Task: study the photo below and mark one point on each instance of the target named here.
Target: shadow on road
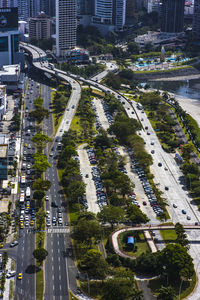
(31, 269)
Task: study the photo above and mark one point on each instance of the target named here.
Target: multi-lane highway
(168, 174)
(25, 288)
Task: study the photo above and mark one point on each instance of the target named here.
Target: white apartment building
(66, 24)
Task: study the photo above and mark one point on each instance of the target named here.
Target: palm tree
(137, 295)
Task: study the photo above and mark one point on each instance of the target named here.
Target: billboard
(8, 18)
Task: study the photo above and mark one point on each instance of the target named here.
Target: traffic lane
(162, 177)
(25, 265)
(63, 276)
(49, 268)
(58, 268)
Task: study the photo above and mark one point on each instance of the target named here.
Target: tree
(85, 230)
(111, 214)
(68, 152)
(40, 140)
(40, 219)
(123, 127)
(177, 261)
(41, 184)
(181, 236)
(40, 254)
(75, 190)
(38, 195)
(38, 102)
(187, 149)
(39, 114)
(118, 289)
(136, 215)
(41, 162)
(94, 264)
(133, 48)
(166, 293)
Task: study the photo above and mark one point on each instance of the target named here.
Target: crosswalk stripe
(58, 230)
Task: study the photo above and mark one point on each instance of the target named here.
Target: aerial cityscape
(99, 149)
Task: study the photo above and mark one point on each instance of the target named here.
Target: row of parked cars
(146, 185)
(101, 196)
(97, 123)
(107, 113)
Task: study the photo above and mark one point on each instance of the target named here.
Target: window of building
(3, 44)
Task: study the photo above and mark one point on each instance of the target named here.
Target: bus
(21, 199)
(23, 180)
(28, 193)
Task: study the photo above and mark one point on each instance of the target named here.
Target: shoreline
(190, 105)
(177, 78)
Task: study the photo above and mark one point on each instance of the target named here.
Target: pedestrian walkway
(150, 241)
(58, 230)
(116, 246)
(7, 283)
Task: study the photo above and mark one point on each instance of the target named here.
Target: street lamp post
(88, 284)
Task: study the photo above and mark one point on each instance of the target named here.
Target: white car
(47, 198)
(60, 221)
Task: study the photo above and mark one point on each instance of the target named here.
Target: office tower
(104, 11)
(23, 10)
(40, 27)
(9, 37)
(66, 25)
(196, 20)
(119, 14)
(172, 16)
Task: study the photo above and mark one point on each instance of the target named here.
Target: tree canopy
(111, 214)
(94, 264)
(40, 254)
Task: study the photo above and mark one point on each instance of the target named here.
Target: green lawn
(56, 122)
(141, 243)
(39, 284)
(169, 236)
(187, 287)
(75, 125)
(11, 290)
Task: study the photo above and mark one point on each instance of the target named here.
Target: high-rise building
(196, 20)
(103, 11)
(172, 16)
(66, 24)
(8, 3)
(23, 10)
(40, 27)
(119, 14)
(9, 37)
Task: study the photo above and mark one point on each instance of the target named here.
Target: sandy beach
(191, 106)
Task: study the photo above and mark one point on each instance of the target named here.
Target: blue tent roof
(130, 240)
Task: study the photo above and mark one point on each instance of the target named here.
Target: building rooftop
(10, 70)
(3, 151)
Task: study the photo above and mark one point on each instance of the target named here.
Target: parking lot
(86, 171)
